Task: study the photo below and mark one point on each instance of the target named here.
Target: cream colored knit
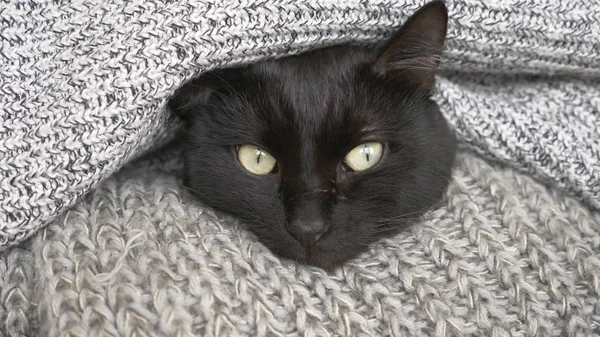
(138, 257)
(83, 83)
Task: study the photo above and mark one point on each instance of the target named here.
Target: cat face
(323, 153)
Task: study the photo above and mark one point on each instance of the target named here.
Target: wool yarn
(83, 84)
(117, 248)
(138, 256)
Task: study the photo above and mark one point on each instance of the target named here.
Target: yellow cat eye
(256, 160)
(364, 156)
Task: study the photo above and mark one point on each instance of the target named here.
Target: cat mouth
(315, 254)
(320, 255)
(318, 258)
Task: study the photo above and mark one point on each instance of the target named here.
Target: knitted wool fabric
(139, 256)
(83, 83)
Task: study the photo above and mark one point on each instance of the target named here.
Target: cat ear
(414, 52)
(194, 94)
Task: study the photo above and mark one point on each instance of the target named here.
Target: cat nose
(307, 232)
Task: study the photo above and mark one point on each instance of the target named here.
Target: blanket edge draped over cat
(84, 85)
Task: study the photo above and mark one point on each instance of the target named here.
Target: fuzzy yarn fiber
(138, 256)
(117, 249)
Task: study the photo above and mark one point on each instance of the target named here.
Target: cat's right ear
(194, 94)
(413, 54)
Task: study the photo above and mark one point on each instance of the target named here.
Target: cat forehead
(308, 96)
(308, 84)
(317, 71)
(320, 63)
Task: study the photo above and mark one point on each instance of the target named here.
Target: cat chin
(323, 255)
(325, 263)
(317, 257)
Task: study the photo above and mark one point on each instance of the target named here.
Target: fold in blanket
(83, 84)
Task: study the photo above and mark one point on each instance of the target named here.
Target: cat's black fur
(308, 111)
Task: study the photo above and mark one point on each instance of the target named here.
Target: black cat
(323, 153)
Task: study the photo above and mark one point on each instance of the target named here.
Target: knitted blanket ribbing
(139, 256)
(82, 92)
(83, 83)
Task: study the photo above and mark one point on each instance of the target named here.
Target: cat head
(322, 153)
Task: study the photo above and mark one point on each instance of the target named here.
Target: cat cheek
(344, 186)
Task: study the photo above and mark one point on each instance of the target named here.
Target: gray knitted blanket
(139, 257)
(83, 86)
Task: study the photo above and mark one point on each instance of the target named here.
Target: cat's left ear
(414, 52)
(194, 94)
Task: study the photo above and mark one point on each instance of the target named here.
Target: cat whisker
(377, 235)
(396, 222)
(400, 216)
(384, 230)
(397, 219)
(192, 190)
(393, 225)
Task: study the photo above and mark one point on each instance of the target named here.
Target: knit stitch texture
(513, 251)
(83, 83)
(138, 256)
